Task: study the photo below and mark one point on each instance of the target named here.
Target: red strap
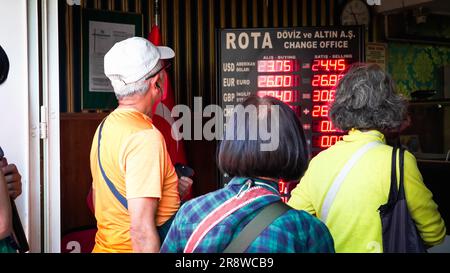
(221, 212)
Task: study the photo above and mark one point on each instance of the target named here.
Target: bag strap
(217, 215)
(254, 228)
(111, 186)
(332, 192)
(401, 190)
(394, 194)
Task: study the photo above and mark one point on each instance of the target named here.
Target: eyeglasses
(166, 65)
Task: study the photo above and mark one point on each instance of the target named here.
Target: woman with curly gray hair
(367, 106)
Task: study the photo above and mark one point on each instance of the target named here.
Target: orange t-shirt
(134, 157)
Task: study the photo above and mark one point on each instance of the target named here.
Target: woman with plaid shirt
(255, 171)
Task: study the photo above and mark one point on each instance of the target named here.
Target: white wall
(14, 113)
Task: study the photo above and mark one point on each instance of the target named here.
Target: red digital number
(286, 96)
(282, 187)
(329, 65)
(320, 111)
(325, 141)
(282, 95)
(323, 95)
(323, 126)
(326, 126)
(276, 81)
(276, 66)
(315, 65)
(326, 80)
(341, 65)
(328, 141)
(262, 66)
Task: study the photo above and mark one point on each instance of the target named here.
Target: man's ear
(153, 84)
(154, 80)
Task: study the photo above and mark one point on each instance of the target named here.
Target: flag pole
(157, 13)
(162, 118)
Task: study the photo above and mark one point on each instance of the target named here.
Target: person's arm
(301, 196)
(144, 236)
(174, 243)
(143, 160)
(12, 177)
(5, 209)
(420, 202)
(184, 186)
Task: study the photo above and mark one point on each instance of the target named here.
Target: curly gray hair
(365, 99)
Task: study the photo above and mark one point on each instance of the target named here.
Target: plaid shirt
(294, 231)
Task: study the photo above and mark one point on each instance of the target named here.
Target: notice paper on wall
(102, 37)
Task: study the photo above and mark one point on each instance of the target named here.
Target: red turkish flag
(162, 118)
(155, 36)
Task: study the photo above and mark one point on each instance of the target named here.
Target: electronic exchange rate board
(299, 66)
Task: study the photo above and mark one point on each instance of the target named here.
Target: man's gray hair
(122, 89)
(125, 90)
(365, 98)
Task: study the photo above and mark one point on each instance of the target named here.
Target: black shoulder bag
(400, 234)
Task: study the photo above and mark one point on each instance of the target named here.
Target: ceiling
(429, 6)
(439, 7)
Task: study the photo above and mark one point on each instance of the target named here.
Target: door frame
(51, 205)
(34, 208)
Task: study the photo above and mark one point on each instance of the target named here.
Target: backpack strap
(111, 186)
(257, 225)
(332, 192)
(217, 215)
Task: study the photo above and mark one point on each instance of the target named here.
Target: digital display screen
(300, 66)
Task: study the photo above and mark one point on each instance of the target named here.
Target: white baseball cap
(130, 60)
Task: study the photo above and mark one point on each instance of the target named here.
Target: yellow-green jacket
(353, 218)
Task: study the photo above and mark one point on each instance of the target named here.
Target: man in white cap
(135, 186)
